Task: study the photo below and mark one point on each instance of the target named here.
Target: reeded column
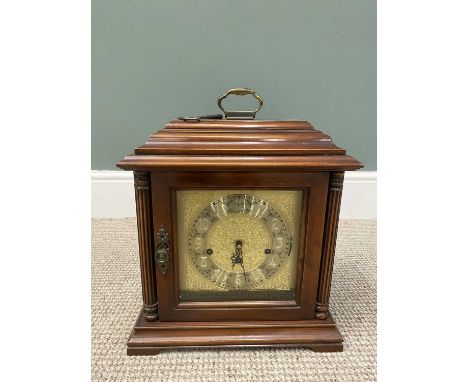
(335, 188)
(145, 240)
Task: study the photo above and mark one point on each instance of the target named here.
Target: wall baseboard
(112, 195)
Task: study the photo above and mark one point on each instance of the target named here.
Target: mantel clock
(237, 222)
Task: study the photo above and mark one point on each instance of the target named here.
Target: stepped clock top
(217, 141)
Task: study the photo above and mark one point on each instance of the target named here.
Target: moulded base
(149, 338)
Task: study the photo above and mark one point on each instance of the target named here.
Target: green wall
(153, 61)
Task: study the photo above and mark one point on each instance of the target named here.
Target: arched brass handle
(240, 114)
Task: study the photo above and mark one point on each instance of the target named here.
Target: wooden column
(145, 240)
(335, 187)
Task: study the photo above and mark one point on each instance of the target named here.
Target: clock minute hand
(237, 257)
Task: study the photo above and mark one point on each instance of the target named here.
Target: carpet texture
(116, 301)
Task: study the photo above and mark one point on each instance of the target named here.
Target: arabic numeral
(275, 225)
(258, 275)
(203, 262)
(202, 225)
(278, 242)
(198, 244)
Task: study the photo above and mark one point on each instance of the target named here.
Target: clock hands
(237, 257)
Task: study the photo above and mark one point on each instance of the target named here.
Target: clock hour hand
(237, 257)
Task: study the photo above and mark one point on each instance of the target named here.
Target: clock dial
(237, 244)
(238, 241)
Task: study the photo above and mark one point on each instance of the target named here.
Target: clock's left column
(144, 212)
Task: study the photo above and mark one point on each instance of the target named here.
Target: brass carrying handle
(240, 114)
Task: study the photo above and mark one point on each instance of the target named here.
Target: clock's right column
(335, 188)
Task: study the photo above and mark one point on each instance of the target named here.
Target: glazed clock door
(237, 245)
(243, 250)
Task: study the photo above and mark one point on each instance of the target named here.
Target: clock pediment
(228, 143)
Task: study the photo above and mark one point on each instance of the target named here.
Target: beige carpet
(116, 299)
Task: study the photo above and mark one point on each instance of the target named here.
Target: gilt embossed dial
(239, 241)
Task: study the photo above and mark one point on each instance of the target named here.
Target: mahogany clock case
(235, 154)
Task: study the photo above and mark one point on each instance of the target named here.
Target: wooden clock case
(225, 153)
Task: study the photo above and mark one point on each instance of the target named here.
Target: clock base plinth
(149, 338)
